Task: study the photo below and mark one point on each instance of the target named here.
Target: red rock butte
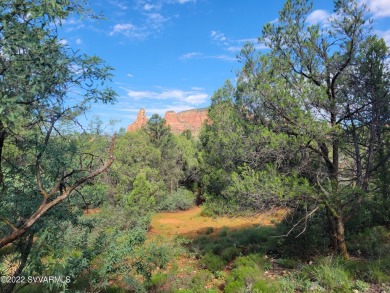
(178, 122)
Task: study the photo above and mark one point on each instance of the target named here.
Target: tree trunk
(337, 233)
(25, 252)
(341, 244)
(332, 231)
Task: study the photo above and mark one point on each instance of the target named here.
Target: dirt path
(191, 223)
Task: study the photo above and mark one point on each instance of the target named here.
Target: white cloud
(79, 41)
(191, 97)
(130, 75)
(222, 57)
(72, 24)
(157, 5)
(241, 42)
(250, 40)
(148, 7)
(151, 24)
(234, 48)
(119, 4)
(184, 1)
(261, 46)
(379, 8)
(123, 28)
(199, 55)
(219, 37)
(318, 17)
(155, 20)
(63, 42)
(190, 55)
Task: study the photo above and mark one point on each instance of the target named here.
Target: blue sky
(173, 54)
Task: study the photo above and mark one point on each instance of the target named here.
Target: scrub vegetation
(286, 188)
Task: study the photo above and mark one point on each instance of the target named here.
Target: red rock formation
(190, 119)
(139, 122)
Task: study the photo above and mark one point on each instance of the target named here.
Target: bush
(179, 200)
(287, 263)
(215, 206)
(313, 242)
(371, 242)
(235, 287)
(246, 276)
(213, 262)
(223, 232)
(230, 253)
(294, 282)
(202, 277)
(264, 286)
(209, 230)
(158, 280)
(252, 260)
(331, 274)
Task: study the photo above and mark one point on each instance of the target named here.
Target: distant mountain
(191, 119)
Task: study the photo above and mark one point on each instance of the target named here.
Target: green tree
(301, 88)
(147, 190)
(133, 151)
(43, 85)
(171, 164)
(190, 162)
(313, 111)
(157, 130)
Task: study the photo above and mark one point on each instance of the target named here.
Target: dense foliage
(304, 130)
(153, 168)
(306, 126)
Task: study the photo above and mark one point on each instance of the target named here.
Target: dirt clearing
(191, 223)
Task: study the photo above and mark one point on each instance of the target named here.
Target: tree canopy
(44, 86)
(313, 111)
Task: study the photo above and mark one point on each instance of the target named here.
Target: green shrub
(158, 280)
(230, 253)
(252, 260)
(221, 275)
(372, 242)
(311, 243)
(265, 286)
(294, 282)
(373, 271)
(246, 274)
(179, 200)
(202, 277)
(361, 286)
(215, 206)
(376, 273)
(287, 263)
(213, 262)
(331, 274)
(223, 232)
(209, 230)
(241, 278)
(235, 287)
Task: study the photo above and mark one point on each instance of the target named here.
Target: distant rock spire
(178, 122)
(139, 122)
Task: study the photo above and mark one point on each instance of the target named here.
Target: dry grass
(191, 223)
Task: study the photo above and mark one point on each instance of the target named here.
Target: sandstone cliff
(190, 119)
